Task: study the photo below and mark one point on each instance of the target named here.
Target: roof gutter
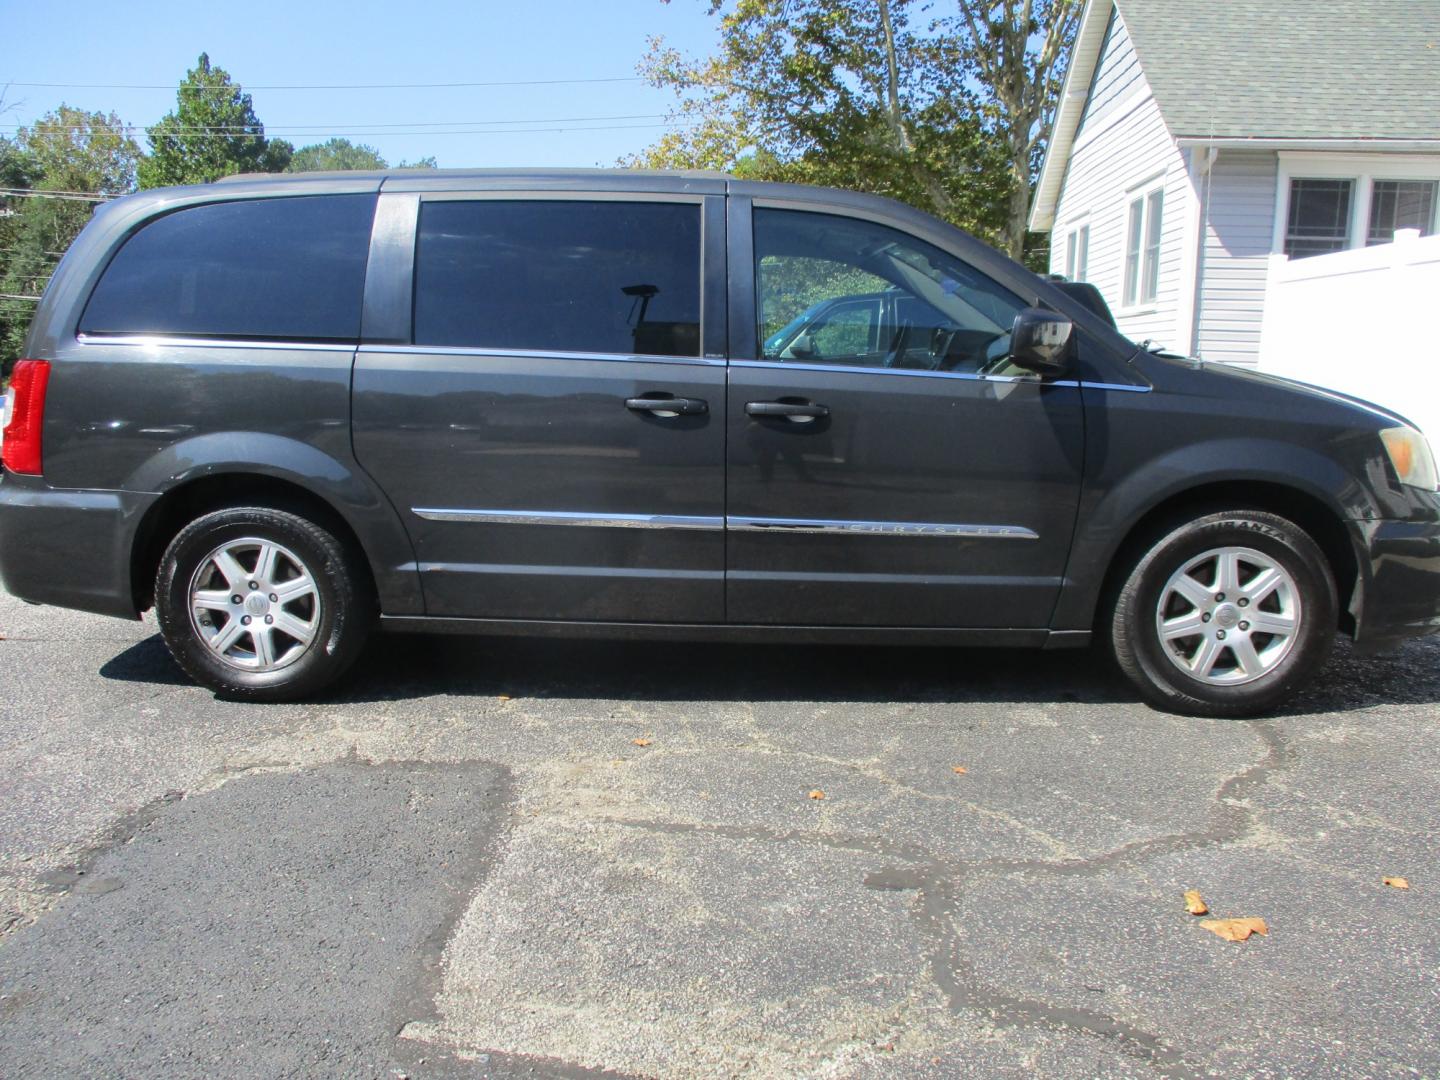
(1238, 142)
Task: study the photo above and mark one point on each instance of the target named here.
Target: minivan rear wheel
(261, 604)
(1225, 615)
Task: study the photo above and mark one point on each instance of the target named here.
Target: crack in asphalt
(938, 883)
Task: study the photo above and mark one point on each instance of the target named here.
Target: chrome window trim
(539, 354)
(561, 517)
(734, 523)
(782, 365)
(879, 528)
(172, 341)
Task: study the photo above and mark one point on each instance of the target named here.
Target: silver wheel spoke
(1205, 656)
(288, 624)
(1246, 656)
(211, 600)
(227, 636)
(1268, 622)
(264, 646)
(1263, 584)
(230, 569)
(1227, 573)
(1181, 626)
(296, 589)
(266, 563)
(1199, 595)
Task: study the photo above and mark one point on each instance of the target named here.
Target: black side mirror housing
(1040, 341)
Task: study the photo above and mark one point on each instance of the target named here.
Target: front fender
(343, 486)
(1111, 507)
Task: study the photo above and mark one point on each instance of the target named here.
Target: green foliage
(846, 93)
(68, 150)
(335, 154)
(422, 163)
(212, 132)
(946, 113)
(793, 284)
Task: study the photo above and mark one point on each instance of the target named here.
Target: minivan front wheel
(261, 604)
(1226, 614)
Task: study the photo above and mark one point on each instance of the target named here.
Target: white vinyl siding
(1239, 231)
(1121, 147)
(1117, 75)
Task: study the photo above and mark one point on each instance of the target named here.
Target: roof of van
(487, 174)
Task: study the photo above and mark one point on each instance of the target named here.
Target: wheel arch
(1319, 520)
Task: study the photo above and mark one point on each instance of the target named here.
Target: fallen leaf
(958, 769)
(1396, 882)
(1235, 929)
(817, 794)
(1194, 903)
(640, 742)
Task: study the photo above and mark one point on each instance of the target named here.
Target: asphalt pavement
(509, 858)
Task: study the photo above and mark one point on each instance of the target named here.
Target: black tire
(338, 622)
(1147, 660)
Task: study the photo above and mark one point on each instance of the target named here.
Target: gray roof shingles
(1318, 69)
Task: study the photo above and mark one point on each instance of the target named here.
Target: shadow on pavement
(397, 667)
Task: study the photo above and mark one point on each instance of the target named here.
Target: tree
(212, 132)
(335, 154)
(72, 155)
(1019, 50)
(948, 114)
(850, 93)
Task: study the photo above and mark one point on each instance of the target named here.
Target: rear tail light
(20, 452)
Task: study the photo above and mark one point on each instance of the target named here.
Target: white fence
(1360, 321)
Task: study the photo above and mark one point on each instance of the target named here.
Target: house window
(1400, 204)
(1077, 254)
(1319, 220)
(1142, 248)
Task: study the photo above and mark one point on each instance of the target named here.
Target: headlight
(1410, 454)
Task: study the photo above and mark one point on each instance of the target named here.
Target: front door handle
(668, 406)
(789, 410)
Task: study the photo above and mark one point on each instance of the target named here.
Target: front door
(552, 434)
(911, 479)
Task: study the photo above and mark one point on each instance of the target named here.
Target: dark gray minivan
(282, 409)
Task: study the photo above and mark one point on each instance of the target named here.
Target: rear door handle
(668, 406)
(790, 410)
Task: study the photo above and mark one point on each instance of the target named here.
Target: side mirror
(802, 346)
(1040, 342)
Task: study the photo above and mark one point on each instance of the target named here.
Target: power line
(230, 88)
(322, 128)
(564, 130)
(16, 296)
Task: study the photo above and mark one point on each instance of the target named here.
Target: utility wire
(64, 196)
(564, 130)
(301, 128)
(16, 296)
(231, 88)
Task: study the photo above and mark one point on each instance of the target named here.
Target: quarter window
(1319, 217)
(837, 290)
(1142, 248)
(1400, 204)
(559, 276)
(289, 269)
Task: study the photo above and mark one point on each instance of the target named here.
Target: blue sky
(265, 43)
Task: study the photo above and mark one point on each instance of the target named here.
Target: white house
(1206, 154)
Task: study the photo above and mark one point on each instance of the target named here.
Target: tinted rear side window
(559, 276)
(289, 269)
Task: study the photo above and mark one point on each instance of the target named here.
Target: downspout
(1207, 165)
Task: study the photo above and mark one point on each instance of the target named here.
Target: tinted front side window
(935, 312)
(289, 269)
(559, 276)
